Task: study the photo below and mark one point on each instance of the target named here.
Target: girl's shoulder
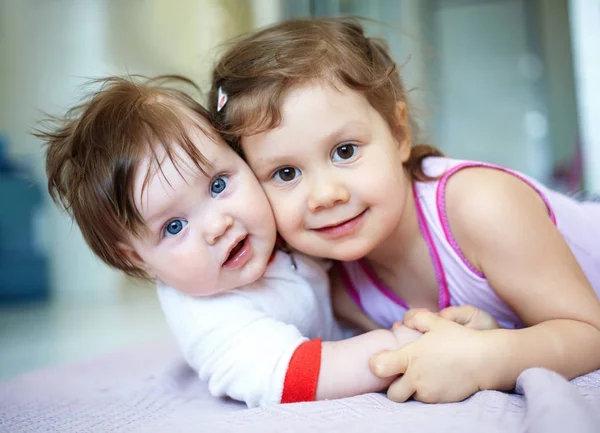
(473, 181)
(442, 168)
(481, 199)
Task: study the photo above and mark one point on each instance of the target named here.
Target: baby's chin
(251, 272)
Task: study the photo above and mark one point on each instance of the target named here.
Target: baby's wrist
(404, 334)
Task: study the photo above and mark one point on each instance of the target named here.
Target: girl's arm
(503, 228)
(345, 364)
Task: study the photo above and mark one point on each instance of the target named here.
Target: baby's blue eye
(286, 174)
(218, 185)
(174, 227)
(344, 152)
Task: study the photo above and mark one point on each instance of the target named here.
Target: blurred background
(513, 82)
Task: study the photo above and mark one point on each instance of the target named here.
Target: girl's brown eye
(344, 152)
(286, 174)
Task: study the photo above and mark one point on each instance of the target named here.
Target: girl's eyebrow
(269, 161)
(341, 132)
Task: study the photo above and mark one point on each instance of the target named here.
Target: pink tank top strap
(459, 281)
(440, 199)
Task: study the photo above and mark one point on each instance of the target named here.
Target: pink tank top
(459, 281)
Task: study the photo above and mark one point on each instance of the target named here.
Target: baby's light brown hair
(93, 153)
(258, 70)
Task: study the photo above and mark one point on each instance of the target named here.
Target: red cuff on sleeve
(303, 373)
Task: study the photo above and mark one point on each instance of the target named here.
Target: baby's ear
(134, 258)
(402, 130)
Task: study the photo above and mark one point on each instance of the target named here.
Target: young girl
(157, 194)
(319, 112)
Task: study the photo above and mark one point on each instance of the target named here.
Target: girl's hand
(442, 366)
(467, 315)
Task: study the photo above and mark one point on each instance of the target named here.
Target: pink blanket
(150, 389)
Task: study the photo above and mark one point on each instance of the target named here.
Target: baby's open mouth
(235, 251)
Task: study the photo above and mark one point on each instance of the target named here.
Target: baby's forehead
(169, 165)
(176, 161)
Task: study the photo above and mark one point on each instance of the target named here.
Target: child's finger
(404, 334)
(390, 362)
(469, 316)
(424, 321)
(401, 390)
(461, 315)
(411, 313)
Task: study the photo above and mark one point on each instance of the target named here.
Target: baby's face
(207, 234)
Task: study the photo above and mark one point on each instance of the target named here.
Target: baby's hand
(404, 334)
(470, 317)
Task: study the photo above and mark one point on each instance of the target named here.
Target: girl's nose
(326, 193)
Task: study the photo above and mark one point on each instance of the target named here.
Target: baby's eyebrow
(162, 209)
(159, 215)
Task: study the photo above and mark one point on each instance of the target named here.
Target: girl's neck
(397, 248)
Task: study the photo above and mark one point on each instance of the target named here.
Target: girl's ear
(134, 258)
(402, 131)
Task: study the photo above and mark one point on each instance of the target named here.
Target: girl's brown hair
(259, 69)
(94, 150)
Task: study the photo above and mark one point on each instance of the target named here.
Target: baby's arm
(249, 356)
(345, 368)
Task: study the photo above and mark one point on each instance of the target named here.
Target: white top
(242, 341)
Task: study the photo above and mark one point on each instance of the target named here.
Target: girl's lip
(344, 228)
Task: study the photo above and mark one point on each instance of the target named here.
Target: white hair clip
(221, 99)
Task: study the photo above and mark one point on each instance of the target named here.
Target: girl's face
(332, 172)
(207, 234)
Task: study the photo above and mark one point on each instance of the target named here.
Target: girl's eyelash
(274, 172)
(344, 143)
(337, 146)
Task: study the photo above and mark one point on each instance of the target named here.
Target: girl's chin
(340, 253)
